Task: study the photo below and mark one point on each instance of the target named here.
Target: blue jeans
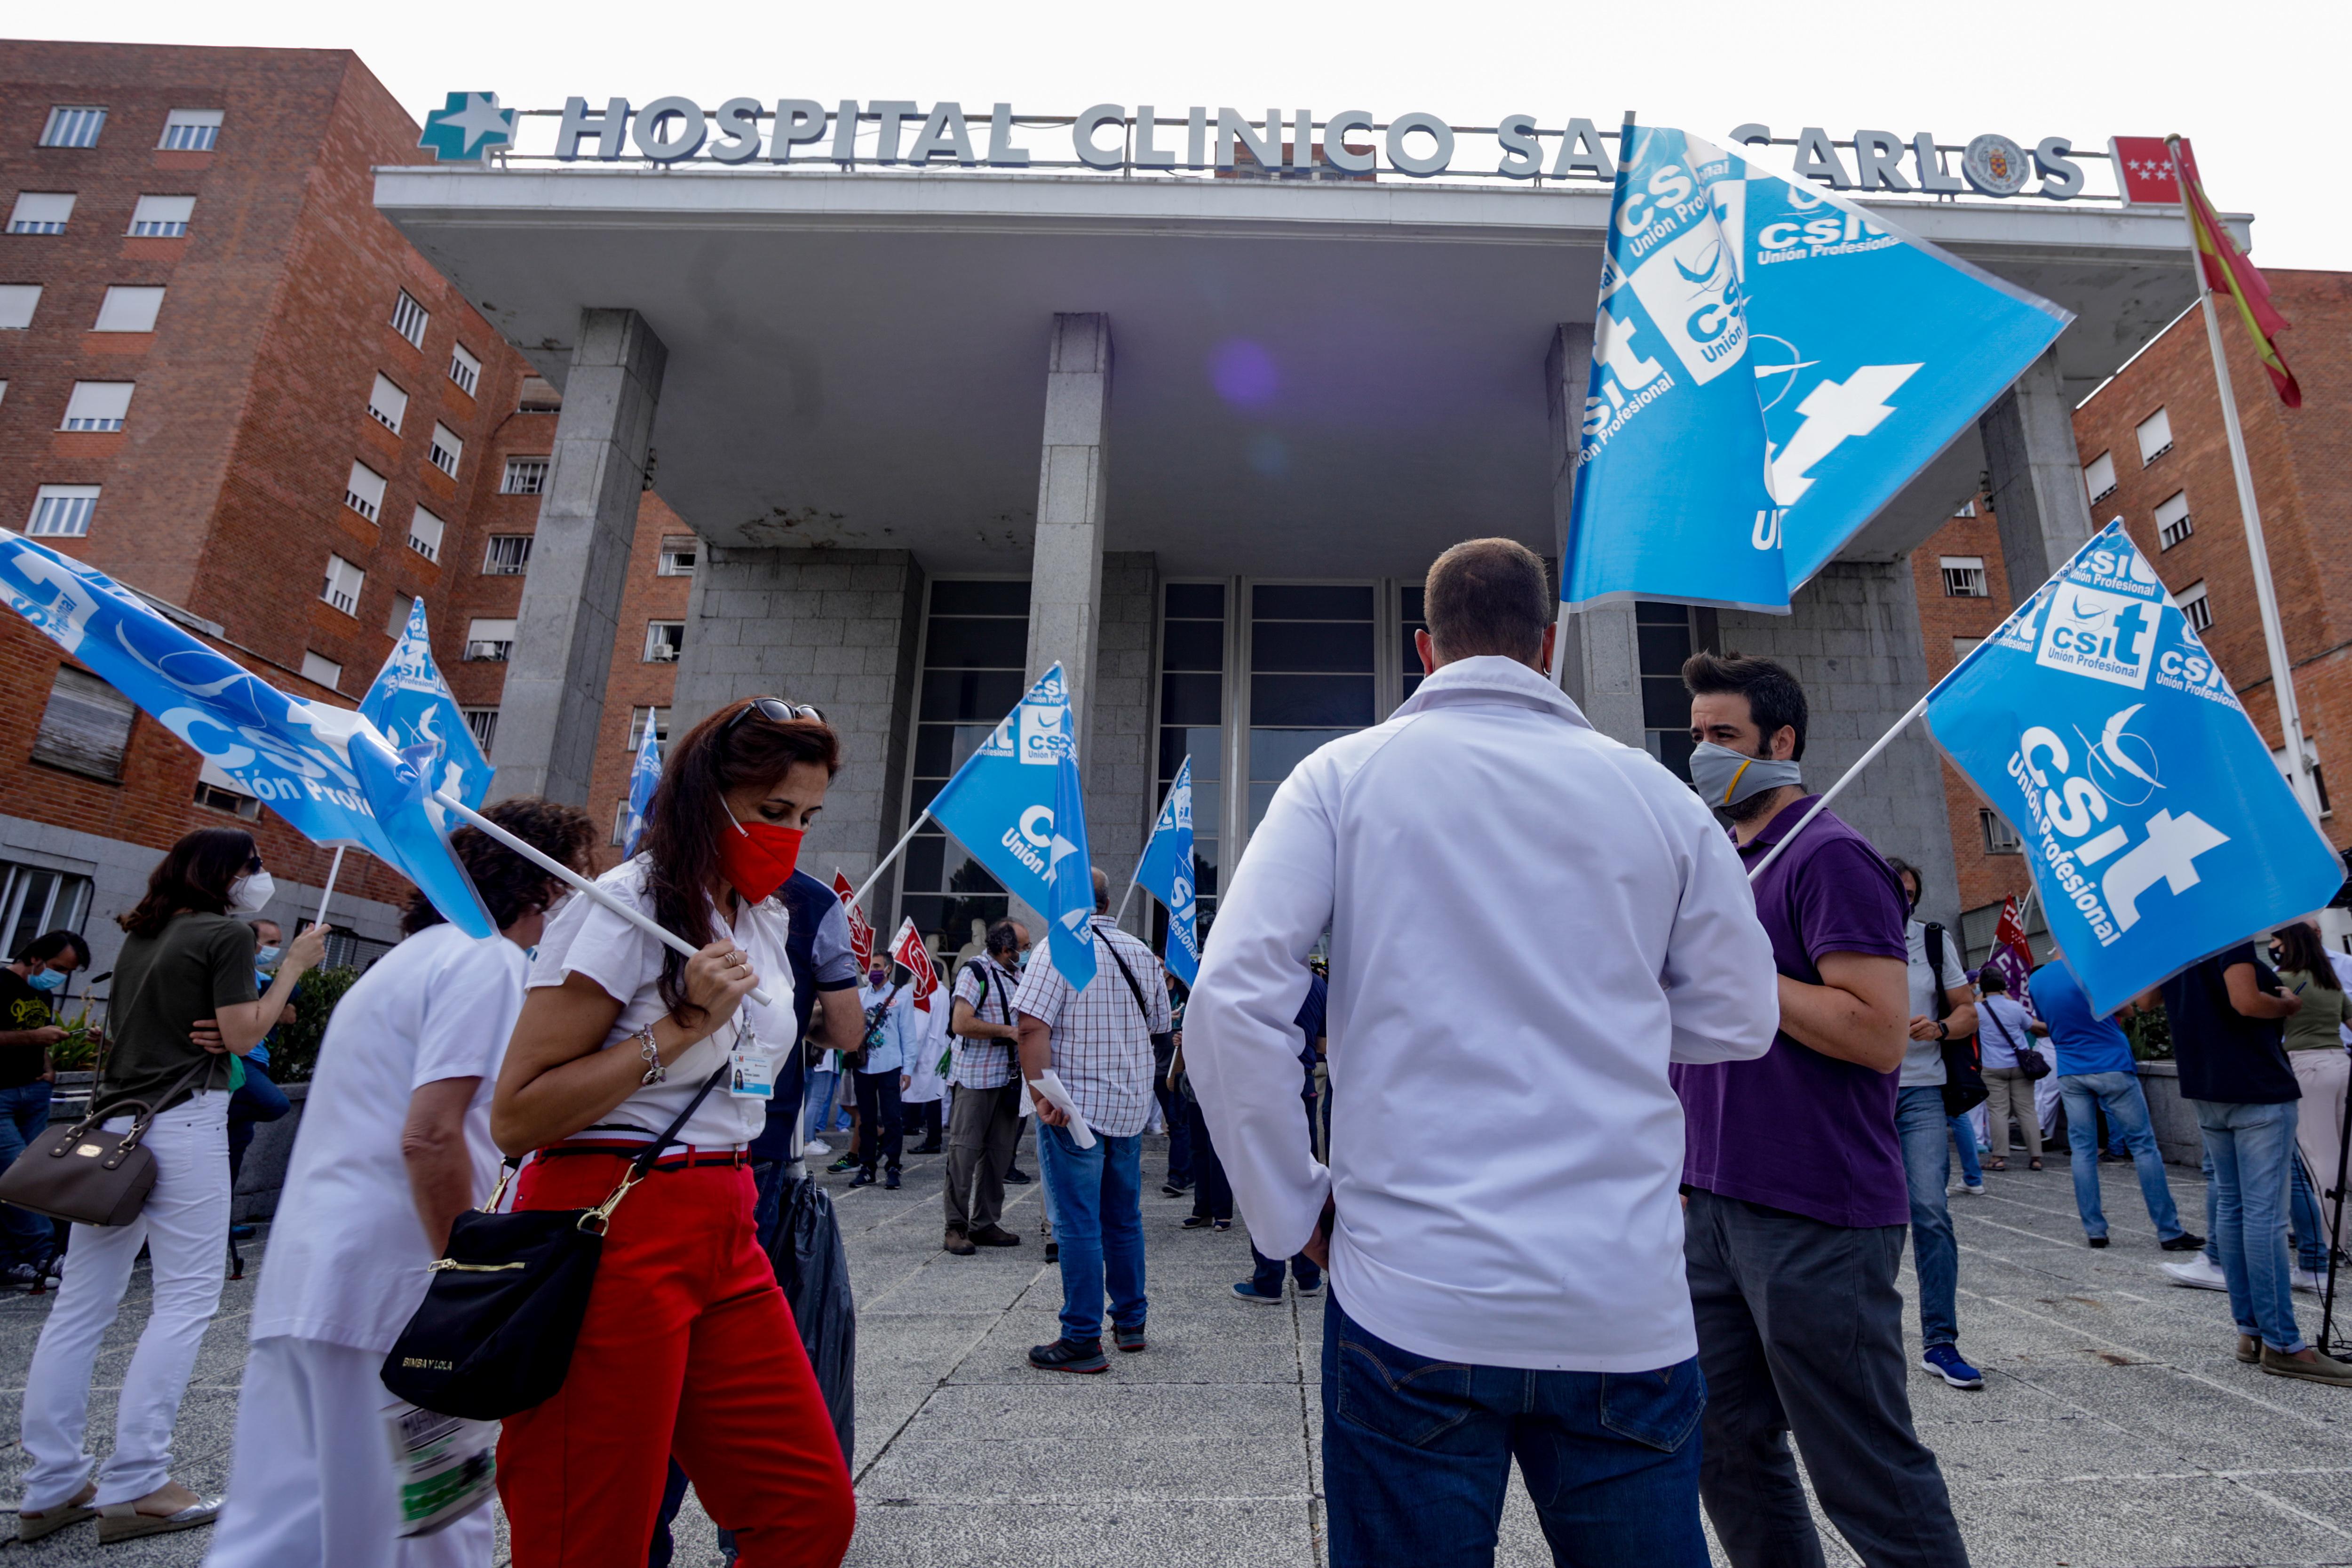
(2252, 1146)
(1964, 1138)
(2305, 1226)
(24, 1236)
(1098, 1199)
(2119, 1095)
(1417, 1454)
(1927, 1134)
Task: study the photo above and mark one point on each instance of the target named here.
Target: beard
(1743, 812)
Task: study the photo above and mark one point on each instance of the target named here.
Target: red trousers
(688, 1349)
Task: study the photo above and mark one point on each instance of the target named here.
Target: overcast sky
(2254, 83)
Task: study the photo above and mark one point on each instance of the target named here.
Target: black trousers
(921, 1120)
(878, 1119)
(1801, 1333)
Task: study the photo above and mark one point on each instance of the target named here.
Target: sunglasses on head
(776, 710)
(252, 864)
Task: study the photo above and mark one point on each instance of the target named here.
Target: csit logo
(2108, 637)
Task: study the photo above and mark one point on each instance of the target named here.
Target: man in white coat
(1527, 917)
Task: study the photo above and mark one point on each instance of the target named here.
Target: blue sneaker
(1944, 1362)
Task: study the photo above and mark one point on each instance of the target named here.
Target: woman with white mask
(183, 1003)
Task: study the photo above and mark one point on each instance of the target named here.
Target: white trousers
(2319, 1119)
(185, 1228)
(313, 1481)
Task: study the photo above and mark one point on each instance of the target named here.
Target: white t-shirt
(1923, 1060)
(347, 1260)
(585, 938)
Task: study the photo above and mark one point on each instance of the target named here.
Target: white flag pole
(2265, 596)
(858, 898)
(334, 871)
(1831, 794)
(587, 888)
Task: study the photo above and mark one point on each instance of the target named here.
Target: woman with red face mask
(688, 1347)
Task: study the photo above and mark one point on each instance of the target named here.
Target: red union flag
(2144, 168)
(2010, 933)
(861, 933)
(908, 948)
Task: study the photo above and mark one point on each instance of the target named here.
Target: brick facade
(2302, 463)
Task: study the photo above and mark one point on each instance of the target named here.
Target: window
(2196, 607)
(425, 534)
(344, 582)
(34, 900)
(664, 640)
(1663, 636)
(162, 218)
(86, 727)
(525, 477)
(508, 555)
(409, 319)
(677, 553)
(1964, 577)
(62, 511)
(17, 303)
(129, 308)
(1963, 647)
(216, 791)
(1191, 723)
(395, 620)
(97, 405)
(41, 212)
(364, 492)
(190, 130)
(975, 646)
(388, 404)
(484, 723)
(490, 641)
(637, 717)
(322, 669)
(1968, 511)
(2155, 437)
(2172, 524)
(2099, 477)
(1313, 670)
(447, 451)
(621, 820)
(539, 396)
(465, 370)
(71, 127)
(2311, 765)
(1999, 837)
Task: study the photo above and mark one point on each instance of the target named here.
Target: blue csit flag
(1017, 807)
(2158, 827)
(643, 776)
(1770, 365)
(1166, 872)
(326, 769)
(411, 705)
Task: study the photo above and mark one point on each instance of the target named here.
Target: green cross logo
(466, 126)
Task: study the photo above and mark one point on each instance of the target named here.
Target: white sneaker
(2200, 1272)
(1958, 1187)
(816, 1146)
(2311, 1280)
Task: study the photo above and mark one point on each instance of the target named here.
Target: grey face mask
(1724, 777)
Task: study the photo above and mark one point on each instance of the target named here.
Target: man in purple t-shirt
(1793, 1174)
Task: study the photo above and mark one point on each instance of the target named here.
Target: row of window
(79, 125)
(126, 308)
(2155, 433)
(490, 640)
(49, 212)
(1964, 578)
(93, 404)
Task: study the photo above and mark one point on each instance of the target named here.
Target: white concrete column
(2037, 477)
(1066, 568)
(571, 613)
(1601, 669)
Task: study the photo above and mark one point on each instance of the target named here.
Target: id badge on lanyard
(751, 1067)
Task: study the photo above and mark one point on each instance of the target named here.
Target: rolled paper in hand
(1048, 1085)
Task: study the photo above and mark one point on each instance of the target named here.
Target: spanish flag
(2227, 271)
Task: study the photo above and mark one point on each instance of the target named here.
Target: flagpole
(334, 871)
(587, 888)
(858, 898)
(2265, 596)
(1831, 794)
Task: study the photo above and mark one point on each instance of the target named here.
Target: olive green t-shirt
(2325, 1011)
(165, 984)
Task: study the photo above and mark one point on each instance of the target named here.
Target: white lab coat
(1528, 921)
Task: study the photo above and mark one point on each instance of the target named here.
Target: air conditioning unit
(661, 653)
(488, 652)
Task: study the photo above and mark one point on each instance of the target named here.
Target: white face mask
(251, 895)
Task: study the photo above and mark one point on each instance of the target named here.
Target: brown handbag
(85, 1173)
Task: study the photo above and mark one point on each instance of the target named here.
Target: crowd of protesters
(1665, 1270)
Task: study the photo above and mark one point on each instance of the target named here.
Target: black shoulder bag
(494, 1334)
(1964, 1085)
(2030, 1059)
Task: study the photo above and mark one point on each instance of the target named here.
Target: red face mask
(758, 859)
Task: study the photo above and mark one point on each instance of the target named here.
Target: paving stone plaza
(2115, 1426)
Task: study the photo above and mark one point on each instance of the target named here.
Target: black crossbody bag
(494, 1334)
(1964, 1085)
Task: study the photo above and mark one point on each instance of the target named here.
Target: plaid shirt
(1102, 1046)
(985, 1064)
